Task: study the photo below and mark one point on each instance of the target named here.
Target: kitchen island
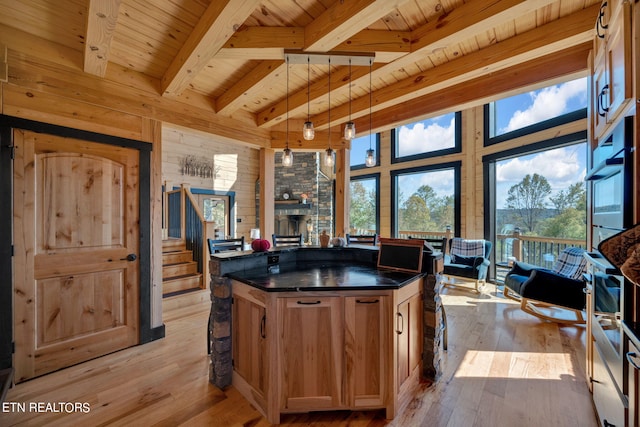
(320, 329)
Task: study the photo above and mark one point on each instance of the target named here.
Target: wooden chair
(361, 239)
(223, 245)
(439, 244)
(280, 240)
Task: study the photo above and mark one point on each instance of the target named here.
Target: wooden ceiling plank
(569, 31)
(374, 41)
(217, 25)
(102, 16)
(248, 87)
(344, 19)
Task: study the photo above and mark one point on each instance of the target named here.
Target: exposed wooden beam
(474, 15)
(102, 16)
(565, 32)
(549, 69)
(249, 87)
(344, 19)
(266, 37)
(217, 25)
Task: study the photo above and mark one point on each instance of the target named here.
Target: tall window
(527, 109)
(427, 138)
(426, 200)
(364, 213)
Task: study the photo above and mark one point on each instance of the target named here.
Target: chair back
(439, 244)
(466, 247)
(361, 239)
(571, 263)
(223, 245)
(280, 240)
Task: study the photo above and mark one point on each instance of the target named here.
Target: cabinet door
(311, 349)
(366, 350)
(409, 336)
(249, 355)
(619, 59)
(606, 398)
(600, 99)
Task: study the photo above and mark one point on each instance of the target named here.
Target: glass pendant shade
(349, 131)
(329, 157)
(370, 160)
(287, 157)
(308, 132)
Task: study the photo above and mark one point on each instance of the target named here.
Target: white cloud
(419, 139)
(561, 167)
(548, 103)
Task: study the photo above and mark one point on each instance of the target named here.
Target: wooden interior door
(76, 239)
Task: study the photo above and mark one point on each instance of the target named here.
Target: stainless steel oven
(611, 183)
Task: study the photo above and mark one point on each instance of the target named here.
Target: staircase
(179, 271)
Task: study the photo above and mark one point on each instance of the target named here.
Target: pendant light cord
(370, 97)
(308, 89)
(329, 103)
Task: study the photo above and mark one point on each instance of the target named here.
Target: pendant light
(287, 155)
(307, 129)
(350, 127)
(370, 160)
(329, 154)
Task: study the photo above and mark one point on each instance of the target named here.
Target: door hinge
(13, 347)
(13, 151)
(233, 364)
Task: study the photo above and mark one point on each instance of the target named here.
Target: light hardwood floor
(503, 368)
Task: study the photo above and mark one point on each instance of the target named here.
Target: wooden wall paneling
(44, 107)
(152, 132)
(385, 184)
(267, 192)
(341, 220)
(4, 63)
(40, 65)
(236, 166)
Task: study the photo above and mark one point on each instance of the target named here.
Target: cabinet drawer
(609, 404)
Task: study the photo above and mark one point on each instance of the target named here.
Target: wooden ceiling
(431, 56)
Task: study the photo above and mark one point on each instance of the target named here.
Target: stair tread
(183, 276)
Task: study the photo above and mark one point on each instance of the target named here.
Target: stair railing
(173, 213)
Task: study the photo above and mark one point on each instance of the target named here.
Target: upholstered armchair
(467, 259)
(544, 292)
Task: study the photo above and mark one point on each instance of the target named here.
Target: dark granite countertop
(324, 277)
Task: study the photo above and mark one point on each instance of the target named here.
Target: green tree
(415, 215)
(527, 199)
(362, 214)
(570, 224)
(573, 197)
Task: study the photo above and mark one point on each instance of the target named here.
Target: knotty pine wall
(237, 169)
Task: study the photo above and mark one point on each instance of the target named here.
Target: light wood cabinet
(606, 398)
(311, 353)
(249, 342)
(612, 84)
(409, 336)
(366, 351)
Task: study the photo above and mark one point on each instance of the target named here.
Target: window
(364, 212)
(359, 147)
(427, 138)
(535, 107)
(426, 200)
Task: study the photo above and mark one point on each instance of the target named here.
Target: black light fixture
(287, 155)
(350, 127)
(370, 160)
(308, 132)
(329, 154)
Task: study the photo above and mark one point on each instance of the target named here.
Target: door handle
(130, 257)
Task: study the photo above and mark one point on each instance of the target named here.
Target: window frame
(376, 177)
(457, 186)
(457, 148)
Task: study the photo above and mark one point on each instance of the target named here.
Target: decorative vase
(260, 245)
(324, 239)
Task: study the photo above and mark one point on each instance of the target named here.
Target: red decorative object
(260, 245)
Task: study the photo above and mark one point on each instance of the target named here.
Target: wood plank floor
(503, 368)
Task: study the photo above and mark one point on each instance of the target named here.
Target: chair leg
(508, 293)
(533, 307)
